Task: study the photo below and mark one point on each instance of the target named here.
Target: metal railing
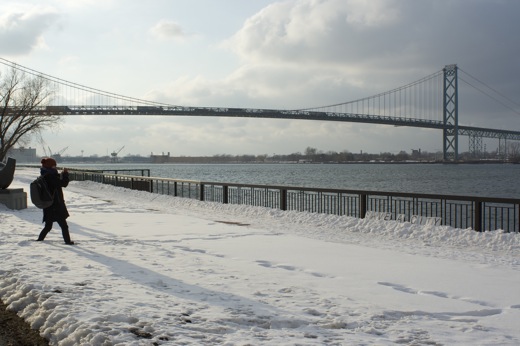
(478, 213)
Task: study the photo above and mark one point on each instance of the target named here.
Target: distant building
(23, 155)
(161, 158)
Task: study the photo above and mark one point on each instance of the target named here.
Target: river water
(484, 180)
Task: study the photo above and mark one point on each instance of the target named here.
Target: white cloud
(373, 13)
(22, 29)
(167, 30)
(314, 32)
(79, 4)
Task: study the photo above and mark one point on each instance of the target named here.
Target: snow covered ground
(159, 270)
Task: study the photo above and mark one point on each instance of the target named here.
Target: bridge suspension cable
(69, 93)
(499, 98)
(422, 99)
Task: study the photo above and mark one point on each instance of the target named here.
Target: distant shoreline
(64, 162)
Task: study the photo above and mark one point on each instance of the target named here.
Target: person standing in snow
(57, 212)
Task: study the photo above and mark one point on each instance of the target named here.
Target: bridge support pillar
(475, 146)
(502, 147)
(450, 114)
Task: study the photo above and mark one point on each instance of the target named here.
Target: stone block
(14, 198)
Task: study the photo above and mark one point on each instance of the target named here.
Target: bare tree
(20, 96)
(310, 152)
(514, 151)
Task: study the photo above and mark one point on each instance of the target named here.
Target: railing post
(175, 188)
(201, 197)
(283, 199)
(518, 208)
(362, 205)
(225, 194)
(478, 216)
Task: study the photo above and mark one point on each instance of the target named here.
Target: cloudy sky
(263, 54)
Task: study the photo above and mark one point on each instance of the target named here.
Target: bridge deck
(273, 114)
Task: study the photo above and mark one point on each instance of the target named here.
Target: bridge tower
(450, 114)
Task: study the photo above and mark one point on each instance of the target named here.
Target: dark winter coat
(55, 182)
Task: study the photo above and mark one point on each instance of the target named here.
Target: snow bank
(153, 269)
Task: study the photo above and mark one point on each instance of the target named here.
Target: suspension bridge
(430, 102)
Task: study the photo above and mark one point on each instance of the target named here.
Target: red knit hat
(48, 162)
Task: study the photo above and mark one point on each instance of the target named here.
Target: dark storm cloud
(400, 33)
(361, 48)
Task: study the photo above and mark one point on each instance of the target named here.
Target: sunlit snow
(160, 270)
